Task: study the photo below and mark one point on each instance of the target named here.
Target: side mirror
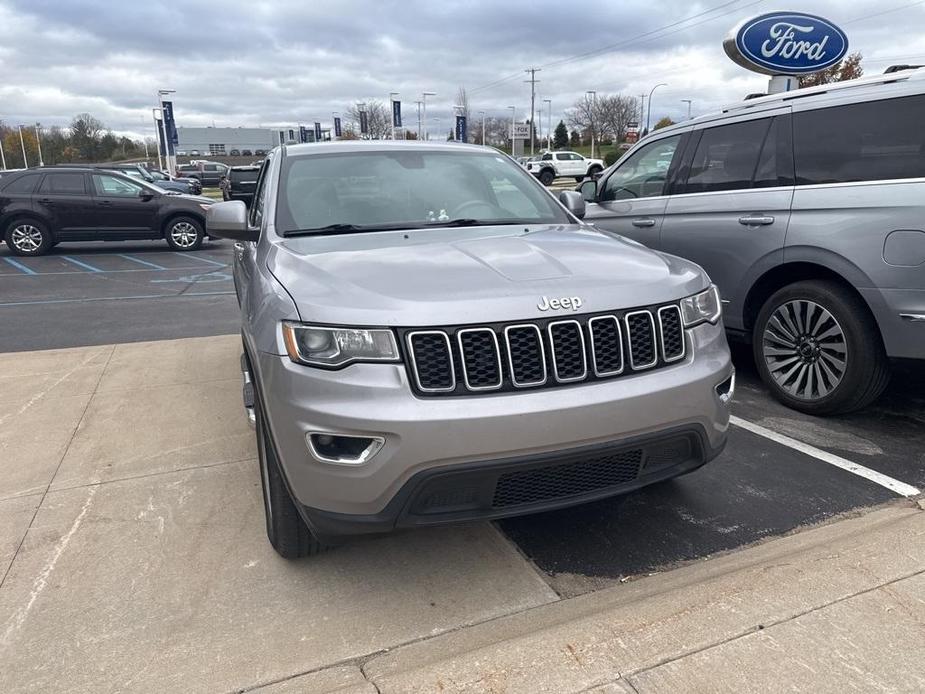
(145, 194)
(573, 202)
(588, 190)
(228, 220)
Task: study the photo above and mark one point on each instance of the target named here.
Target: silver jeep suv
(807, 208)
(430, 336)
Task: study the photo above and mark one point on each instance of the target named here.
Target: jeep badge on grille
(572, 302)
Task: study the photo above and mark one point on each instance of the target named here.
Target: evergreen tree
(560, 136)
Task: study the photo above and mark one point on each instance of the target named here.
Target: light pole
(593, 107)
(38, 143)
(22, 143)
(513, 113)
(169, 161)
(392, 96)
(482, 114)
(688, 102)
(548, 103)
(649, 110)
(424, 96)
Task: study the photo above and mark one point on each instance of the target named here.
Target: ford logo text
(786, 43)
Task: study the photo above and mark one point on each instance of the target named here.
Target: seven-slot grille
(500, 357)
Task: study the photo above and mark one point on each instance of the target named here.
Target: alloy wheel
(805, 349)
(184, 234)
(26, 238)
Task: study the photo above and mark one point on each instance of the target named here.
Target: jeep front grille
(466, 360)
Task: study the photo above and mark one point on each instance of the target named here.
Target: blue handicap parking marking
(80, 263)
(146, 263)
(18, 265)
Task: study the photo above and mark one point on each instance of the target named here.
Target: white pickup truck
(552, 165)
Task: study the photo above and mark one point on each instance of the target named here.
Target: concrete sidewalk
(833, 609)
(133, 558)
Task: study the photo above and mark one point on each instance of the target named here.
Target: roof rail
(887, 78)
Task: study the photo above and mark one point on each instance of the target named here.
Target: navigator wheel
(818, 349)
(28, 237)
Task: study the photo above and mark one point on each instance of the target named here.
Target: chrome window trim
(601, 374)
(626, 319)
(414, 365)
(510, 362)
(661, 334)
(462, 358)
(552, 351)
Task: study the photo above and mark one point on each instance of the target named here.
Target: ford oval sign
(786, 43)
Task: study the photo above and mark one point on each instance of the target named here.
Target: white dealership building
(221, 141)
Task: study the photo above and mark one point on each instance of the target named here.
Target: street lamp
(513, 113)
(482, 114)
(548, 102)
(649, 111)
(392, 96)
(688, 102)
(593, 106)
(424, 96)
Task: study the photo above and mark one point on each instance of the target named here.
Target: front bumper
(433, 438)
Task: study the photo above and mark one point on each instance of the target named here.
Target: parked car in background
(521, 361)
(549, 166)
(243, 183)
(260, 152)
(189, 186)
(44, 206)
(194, 152)
(808, 212)
(208, 173)
(234, 153)
(246, 153)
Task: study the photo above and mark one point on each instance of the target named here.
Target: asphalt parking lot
(132, 508)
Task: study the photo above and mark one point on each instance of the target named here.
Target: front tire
(818, 349)
(28, 237)
(547, 177)
(184, 234)
(286, 530)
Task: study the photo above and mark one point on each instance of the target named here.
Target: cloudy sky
(256, 62)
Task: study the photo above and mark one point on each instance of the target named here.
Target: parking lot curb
(609, 637)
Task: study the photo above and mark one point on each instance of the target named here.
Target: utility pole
(642, 109)
(482, 114)
(548, 102)
(532, 81)
(424, 96)
(593, 94)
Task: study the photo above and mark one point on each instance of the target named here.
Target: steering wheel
(459, 210)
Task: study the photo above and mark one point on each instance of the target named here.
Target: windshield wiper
(329, 229)
(469, 222)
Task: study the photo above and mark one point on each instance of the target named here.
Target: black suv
(243, 181)
(208, 173)
(42, 207)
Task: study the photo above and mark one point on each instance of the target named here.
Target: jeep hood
(472, 275)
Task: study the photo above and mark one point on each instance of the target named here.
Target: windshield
(408, 190)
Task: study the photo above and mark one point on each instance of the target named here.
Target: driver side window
(643, 175)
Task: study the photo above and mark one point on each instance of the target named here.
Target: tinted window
(877, 140)
(23, 184)
(409, 189)
(547, 157)
(775, 165)
(726, 157)
(112, 186)
(64, 184)
(643, 174)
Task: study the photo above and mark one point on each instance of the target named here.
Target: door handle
(643, 222)
(104, 202)
(239, 250)
(756, 220)
(47, 201)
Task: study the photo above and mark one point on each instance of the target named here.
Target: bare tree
(378, 118)
(615, 112)
(586, 116)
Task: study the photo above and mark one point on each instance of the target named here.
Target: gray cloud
(258, 62)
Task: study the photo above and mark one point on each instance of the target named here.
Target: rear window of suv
(870, 141)
(21, 184)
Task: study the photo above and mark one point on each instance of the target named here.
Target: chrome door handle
(756, 220)
(643, 222)
(239, 250)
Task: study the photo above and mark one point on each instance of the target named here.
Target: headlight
(317, 345)
(702, 307)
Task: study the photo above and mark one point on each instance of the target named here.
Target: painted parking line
(890, 483)
(142, 262)
(110, 298)
(80, 263)
(200, 258)
(19, 266)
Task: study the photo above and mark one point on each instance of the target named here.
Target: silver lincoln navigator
(430, 336)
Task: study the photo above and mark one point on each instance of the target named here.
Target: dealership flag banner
(317, 131)
(460, 128)
(396, 114)
(364, 123)
(303, 134)
(170, 126)
(337, 132)
(160, 137)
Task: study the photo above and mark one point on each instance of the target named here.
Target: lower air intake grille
(571, 479)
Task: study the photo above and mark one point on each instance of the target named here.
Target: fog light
(726, 389)
(343, 449)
